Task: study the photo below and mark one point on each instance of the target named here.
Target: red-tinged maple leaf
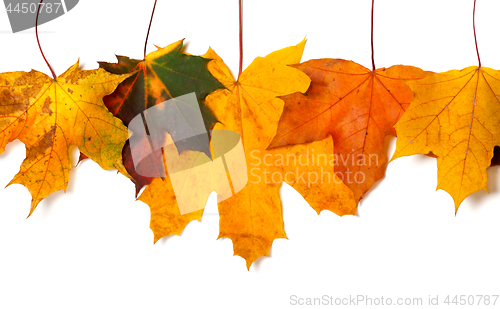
(358, 107)
(164, 74)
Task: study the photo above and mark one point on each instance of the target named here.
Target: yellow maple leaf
(252, 218)
(49, 116)
(166, 218)
(163, 200)
(454, 115)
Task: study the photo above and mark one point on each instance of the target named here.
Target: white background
(92, 247)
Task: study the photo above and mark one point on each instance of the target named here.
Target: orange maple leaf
(356, 106)
(252, 218)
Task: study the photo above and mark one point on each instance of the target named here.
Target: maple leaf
(173, 207)
(252, 218)
(163, 74)
(166, 218)
(49, 116)
(356, 106)
(454, 115)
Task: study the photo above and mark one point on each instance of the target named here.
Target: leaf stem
(474, 26)
(149, 28)
(241, 38)
(38, 41)
(373, 53)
